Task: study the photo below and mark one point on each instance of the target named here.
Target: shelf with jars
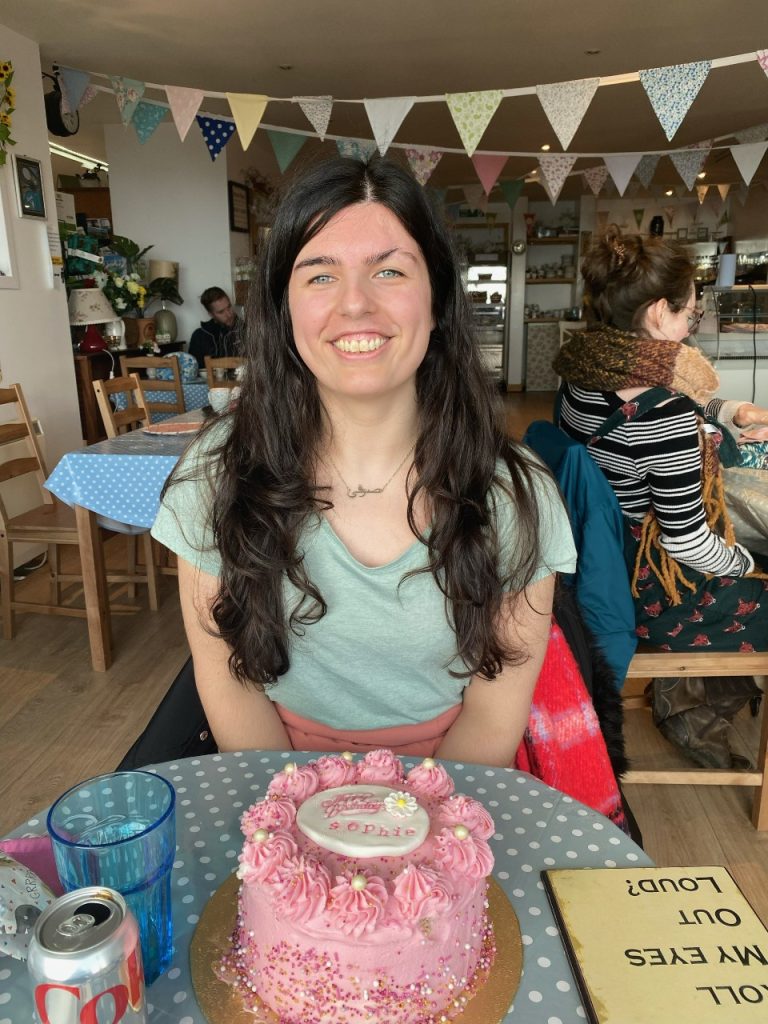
(484, 256)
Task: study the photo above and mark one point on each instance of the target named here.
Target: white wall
(172, 195)
(35, 341)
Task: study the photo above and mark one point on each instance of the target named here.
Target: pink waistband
(421, 740)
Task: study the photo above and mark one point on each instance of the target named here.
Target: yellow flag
(247, 109)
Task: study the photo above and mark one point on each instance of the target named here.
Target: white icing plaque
(355, 821)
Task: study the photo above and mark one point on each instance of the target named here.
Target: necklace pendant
(362, 491)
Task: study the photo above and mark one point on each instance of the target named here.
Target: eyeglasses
(694, 318)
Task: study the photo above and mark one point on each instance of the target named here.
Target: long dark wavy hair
(265, 489)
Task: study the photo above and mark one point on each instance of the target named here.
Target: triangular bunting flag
(646, 169)
(73, 84)
(672, 90)
(595, 177)
(247, 109)
(638, 214)
(565, 104)
(488, 167)
(512, 190)
(755, 134)
(621, 167)
(216, 133)
(317, 110)
(357, 149)
(90, 94)
(748, 158)
(471, 113)
(724, 190)
(146, 118)
(128, 92)
(689, 162)
(423, 162)
(555, 168)
(184, 104)
(670, 212)
(701, 192)
(286, 145)
(386, 116)
(762, 59)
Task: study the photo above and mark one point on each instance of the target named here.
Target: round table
(538, 828)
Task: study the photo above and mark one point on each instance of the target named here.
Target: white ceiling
(360, 48)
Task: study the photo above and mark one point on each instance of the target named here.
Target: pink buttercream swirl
(259, 861)
(356, 911)
(433, 781)
(463, 858)
(273, 814)
(463, 810)
(420, 892)
(333, 771)
(381, 768)
(300, 889)
(297, 785)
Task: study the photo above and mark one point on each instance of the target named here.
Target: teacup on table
(219, 399)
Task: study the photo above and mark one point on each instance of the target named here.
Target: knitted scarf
(603, 358)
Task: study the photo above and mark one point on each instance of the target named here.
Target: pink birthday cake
(363, 894)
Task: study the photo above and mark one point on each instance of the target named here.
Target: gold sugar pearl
(359, 882)
(428, 762)
(347, 756)
(290, 768)
(461, 831)
(260, 835)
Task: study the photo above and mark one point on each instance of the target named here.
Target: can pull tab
(76, 925)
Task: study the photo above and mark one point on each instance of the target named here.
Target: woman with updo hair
(642, 400)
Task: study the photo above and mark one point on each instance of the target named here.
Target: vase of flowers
(127, 295)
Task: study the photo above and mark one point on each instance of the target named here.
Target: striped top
(654, 461)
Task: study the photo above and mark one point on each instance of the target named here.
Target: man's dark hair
(211, 295)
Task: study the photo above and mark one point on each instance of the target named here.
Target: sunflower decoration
(7, 102)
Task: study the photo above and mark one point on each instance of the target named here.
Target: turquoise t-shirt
(381, 654)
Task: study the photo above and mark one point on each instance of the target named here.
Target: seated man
(222, 334)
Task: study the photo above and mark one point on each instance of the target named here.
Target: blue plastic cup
(119, 830)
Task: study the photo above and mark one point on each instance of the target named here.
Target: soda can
(85, 961)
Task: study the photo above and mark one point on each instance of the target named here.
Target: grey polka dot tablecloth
(195, 397)
(538, 828)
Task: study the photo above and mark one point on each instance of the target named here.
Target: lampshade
(163, 268)
(90, 306)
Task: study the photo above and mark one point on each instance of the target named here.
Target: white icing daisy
(401, 805)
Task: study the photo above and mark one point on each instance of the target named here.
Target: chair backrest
(134, 412)
(20, 429)
(227, 364)
(161, 395)
(601, 579)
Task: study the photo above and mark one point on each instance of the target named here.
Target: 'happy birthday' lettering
(352, 803)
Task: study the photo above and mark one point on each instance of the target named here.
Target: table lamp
(88, 307)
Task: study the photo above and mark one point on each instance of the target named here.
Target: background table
(538, 828)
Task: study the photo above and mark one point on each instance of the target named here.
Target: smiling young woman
(362, 551)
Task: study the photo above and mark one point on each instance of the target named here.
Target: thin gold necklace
(360, 491)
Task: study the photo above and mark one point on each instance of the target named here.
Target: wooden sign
(667, 945)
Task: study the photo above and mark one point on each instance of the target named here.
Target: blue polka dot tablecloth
(195, 397)
(538, 828)
(119, 479)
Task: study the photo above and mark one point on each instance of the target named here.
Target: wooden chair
(648, 663)
(50, 523)
(175, 402)
(135, 414)
(226, 363)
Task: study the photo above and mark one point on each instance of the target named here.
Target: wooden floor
(60, 723)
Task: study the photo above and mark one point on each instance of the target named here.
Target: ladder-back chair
(135, 412)
(227, 364)
(171, 399)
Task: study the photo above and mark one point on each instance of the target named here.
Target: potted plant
(166, 290)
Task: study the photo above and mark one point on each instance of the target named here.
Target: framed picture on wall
(682, 234)
(29, 187)
(238, 206)
(702, 234)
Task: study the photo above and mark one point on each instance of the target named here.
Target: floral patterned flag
(422, 162)
(724, 190)
(216, 133)
(672, 90)
(146, 118)
(317, 110)
(646, 169)
(488, 167)
(357, 149)
(701, 193)
(690, 161)
(73, 84)
(286, 145)
(755, 134)
(621, 167)
(128, 92)
(762, 59)
(596, 177)
(748, 158)
(386, 116)
(89, 94)
(247, 109)
(555, 168)
(184, 104)
(471, 113)
(512, 190)
(565, 104)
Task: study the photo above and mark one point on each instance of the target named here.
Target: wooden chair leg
(149, 558)
(760, 800)
(54, 572)
(132, 543)
(6, 583)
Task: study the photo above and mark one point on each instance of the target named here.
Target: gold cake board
(221, 1003)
